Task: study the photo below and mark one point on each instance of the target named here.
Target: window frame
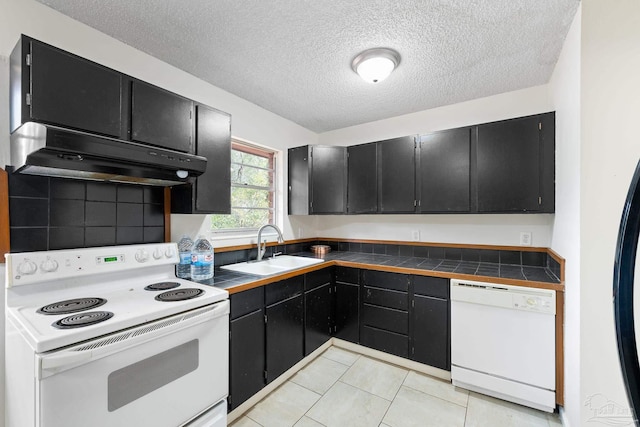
(272, 156)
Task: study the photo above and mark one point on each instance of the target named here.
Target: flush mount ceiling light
(375, 65)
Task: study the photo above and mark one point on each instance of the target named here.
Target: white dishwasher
(503, 342)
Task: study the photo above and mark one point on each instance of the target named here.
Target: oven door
(163, 373)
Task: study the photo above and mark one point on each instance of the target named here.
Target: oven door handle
(54, 362)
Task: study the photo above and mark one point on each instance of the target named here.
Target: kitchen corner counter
(508, 274)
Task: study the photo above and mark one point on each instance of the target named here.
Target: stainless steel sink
(267, 267)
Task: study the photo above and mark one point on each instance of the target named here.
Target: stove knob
(157, 254)
(27, 267)
(142, 255)
(49, 265)
(169, 252)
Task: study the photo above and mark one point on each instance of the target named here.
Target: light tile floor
(345, 389)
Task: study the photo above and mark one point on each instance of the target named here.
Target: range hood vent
(39, 149)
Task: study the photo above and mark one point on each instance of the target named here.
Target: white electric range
(109, 336)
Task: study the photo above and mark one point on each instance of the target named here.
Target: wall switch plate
(525, 238)
(300, 232)
(415, 235)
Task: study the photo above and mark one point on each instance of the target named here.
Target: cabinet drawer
(385, 318)
(284, 289)
(388, 342)
(381, 279)
(431, 286)
(245, 302)
(386, 298)
(347, 275)
(317, 278)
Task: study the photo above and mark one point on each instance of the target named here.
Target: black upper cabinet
(299, 194)
(515, 165)
(317, 180)
(51, 86)
(161, 118)
(396, 175)
(444, 171)
(362, 183)
(211, 191)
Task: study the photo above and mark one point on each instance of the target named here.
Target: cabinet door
(317, 317)
(298, 170)
(73, 92)
(347, 308)
(431, 331)
(213, 141)
(328, 180)
(362, 183)
(211, 191)
(396, 175)
(383, 340)
(160, 117)
(285, 336)
(508, 165)
(444, 171)
(384, 316)
(246, 359)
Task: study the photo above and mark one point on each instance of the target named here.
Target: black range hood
(40, 149)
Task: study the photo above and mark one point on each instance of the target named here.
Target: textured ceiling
(293, 57)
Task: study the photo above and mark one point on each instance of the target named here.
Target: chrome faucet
(262, 246)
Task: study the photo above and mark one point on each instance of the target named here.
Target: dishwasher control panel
(505, 296)
(533, 303)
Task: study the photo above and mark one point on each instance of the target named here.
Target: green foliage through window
(252, 189)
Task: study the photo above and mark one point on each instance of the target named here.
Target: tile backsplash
(56, 213)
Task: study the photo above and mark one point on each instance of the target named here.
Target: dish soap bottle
(183, 269)
(201, 259)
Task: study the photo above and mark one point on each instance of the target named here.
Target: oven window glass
(141, 378)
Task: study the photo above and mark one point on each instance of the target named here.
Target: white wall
(610, 149)
(565, 91)
(480, 229)
(249, 122)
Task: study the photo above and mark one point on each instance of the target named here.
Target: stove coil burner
(179, 294)
(72, 306)
(82, 319)
(161, 286)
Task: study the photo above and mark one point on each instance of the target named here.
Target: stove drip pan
(179, 294)
(71, 306)
(82, 319)
(161, 286)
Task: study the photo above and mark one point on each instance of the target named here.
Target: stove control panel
(34, 267)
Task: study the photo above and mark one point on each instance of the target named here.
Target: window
(252, 189)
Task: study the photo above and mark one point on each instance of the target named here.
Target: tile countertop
(538, 277)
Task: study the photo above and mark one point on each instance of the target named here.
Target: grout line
(395, 396)
(437, 397)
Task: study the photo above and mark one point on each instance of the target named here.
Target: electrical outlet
(415, 235)
(300, 232)
(525, 238)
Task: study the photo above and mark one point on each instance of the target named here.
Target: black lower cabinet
(317, 317)
(285, 327)
(318, 308)
(347, 304)
(273, 327)
(246, 346)
(246, 357)
(431, 326)
(384, 312)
